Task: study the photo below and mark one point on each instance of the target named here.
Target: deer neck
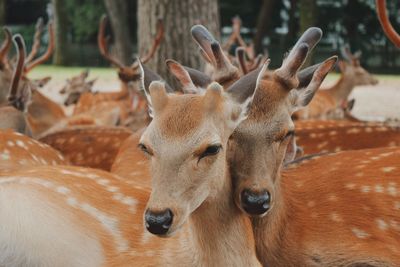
(221, 233)
(343, 88)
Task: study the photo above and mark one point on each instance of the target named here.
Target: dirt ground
(378, 102)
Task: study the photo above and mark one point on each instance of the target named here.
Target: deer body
(19, 151)
(334, 136)
(347, 216)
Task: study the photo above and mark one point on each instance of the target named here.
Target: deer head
(351, 67)
(12, 115)
(264, 141)
(186, 143)
(76, 86)
(127, 73)
(5, 68)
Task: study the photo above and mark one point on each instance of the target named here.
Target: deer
(5, 68)
(13, 114)
(127, 98)
(323, 212)
(41, 112)
(107, 221)
(387, 27)
(329, 99)
(76, 86)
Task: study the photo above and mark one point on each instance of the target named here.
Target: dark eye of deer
(289, 134)
(144, 149)
(210, 151)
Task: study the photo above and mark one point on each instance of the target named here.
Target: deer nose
(158, 223)
(255, 203)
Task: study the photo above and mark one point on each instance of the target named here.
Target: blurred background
(271, 25)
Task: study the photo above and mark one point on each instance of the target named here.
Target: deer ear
(291, 150)
(182, 76)
(303, 96)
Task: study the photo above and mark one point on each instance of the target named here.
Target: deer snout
(255, 203)
(158, 223)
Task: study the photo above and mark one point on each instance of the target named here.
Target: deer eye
(144, 148)
(288, 134)
(211, 151)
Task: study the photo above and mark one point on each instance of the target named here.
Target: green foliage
(84, 16)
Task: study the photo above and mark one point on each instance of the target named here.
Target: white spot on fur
(103, 182)
(110, 223)
(5, 156)
(350, 186)
(72, 202)
(112, 189)
(335, 217)
(379, 188)
(63, 190)
(382, 225)
(365, 188)
(388, 169)
(391, 190)
(353, 131)
(21, 144)
(10, 143)
(359, 233)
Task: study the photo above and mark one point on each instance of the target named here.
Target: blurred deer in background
(327, 100)
(76, 86)
(13, 113)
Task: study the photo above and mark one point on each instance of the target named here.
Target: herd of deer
(212, 167)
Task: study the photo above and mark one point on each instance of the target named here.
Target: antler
(156, 42)
(47, 54)
(385, 23)
(36, 40)
(6, 44)
(241, 58)
(20, 45)
(102, 41)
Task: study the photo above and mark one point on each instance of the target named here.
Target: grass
(62, 73)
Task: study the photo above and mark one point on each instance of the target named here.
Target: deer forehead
(186, 114)
(269, 100)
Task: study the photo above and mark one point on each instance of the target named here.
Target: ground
(372, 102)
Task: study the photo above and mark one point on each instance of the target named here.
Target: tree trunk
(2, 12)
(178, 17)
(61, 32)
(263, 24)
(118, 13)
(308, 18)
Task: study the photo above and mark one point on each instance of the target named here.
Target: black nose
(255, 203)
(158, 223)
